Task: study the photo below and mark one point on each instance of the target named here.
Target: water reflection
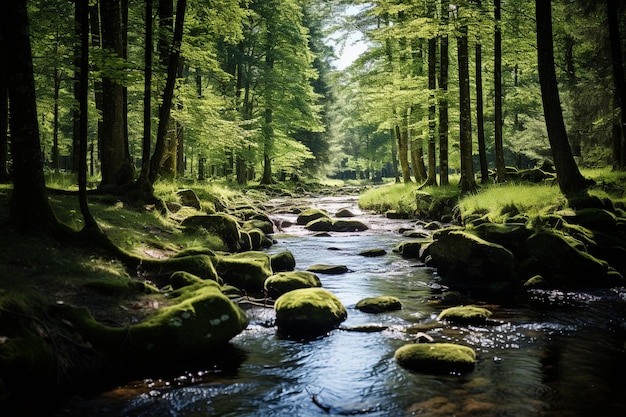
(552, 354)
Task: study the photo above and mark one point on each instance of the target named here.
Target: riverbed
(549, 353)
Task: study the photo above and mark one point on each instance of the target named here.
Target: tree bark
(497, 77)
(168, 93)
(96, 42)
(569, 177)
(403, 152)
(480, 122)
(620, 84)
(116, 167)
(467, 181)
(443, 99)
(29, 210)
(431, 178)
(82, 13)
(4, 119)
(147, 97)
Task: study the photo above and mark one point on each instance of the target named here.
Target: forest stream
(550, 353)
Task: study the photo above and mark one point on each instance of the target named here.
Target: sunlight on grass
(529, 199)
(399, 197)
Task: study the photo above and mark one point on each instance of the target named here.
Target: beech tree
(569, 177)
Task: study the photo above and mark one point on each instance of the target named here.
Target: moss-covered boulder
(309, 311)
(344, 212)
(328, 269)
(309, 215)
(203, 319)
(160, 270)
(510, 235)
(323, 224)
(411, 249)
(278, 284)
(222, 225)
(189, 198)
(180, 279)
(247, 270)
(265, 225)
(378, 304)
(348, 226)
(437, 358)
(373, 253)
(594, 218)
(561, 262)
(283, 261)
(465, 315)
(470, 260)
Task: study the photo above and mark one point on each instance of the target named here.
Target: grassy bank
(494, 200)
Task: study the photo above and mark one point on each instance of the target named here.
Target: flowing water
(550, 354)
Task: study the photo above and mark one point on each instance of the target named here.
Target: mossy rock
(282, 261)
(265, 225)
(222, 225)
(278, 284)
(378, 304)
(348, 226)
(344, 212)
(373, 253)
(204, 319)
(120, 286)
(328, 269)
(160, 271)
(189, 198)
(595, 219)
(410, 249)
(468, 258)
(465, 315)
(247, 270)
(437, 358)
(309, 311)
(258, 239)
(180, 279)
(510, 235)
(309, 215)
(558, 260)
(323, 224)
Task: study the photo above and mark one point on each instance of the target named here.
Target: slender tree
(619, 144)
(82, 13)
(443, 96)
(480, 121)
(569, 177)
(147, 96)
(4, 120)
(497, 77)
(467, 181)
(168, 93)
(431, 179)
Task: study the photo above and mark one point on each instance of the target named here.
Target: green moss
(436, 358)
(311, 214)
(309, 310)
(465, 315)
(120, 286)
(180, 279)
(278, 284)
(378, 304)
(283, 261)
(160, 270)
(247, 271)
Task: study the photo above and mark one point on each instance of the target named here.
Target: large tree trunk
(116, 167)
(467, 182)
(569, 177)
(620, 84)
(443, 98)
(394, 156)
(497, 76)
(168, 93)
(29, 210)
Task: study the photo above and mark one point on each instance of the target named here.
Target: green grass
(398, 197)
(498, 199)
